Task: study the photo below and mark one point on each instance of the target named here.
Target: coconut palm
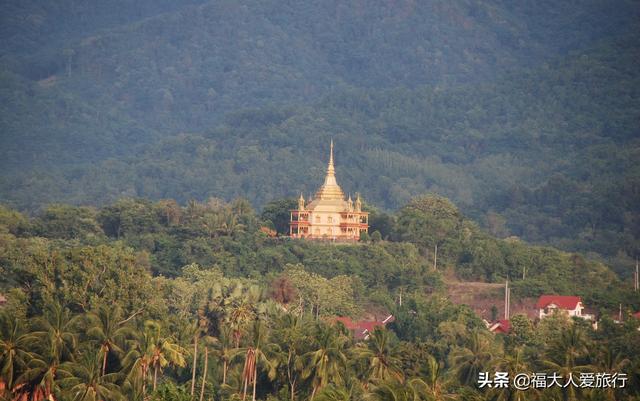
(294, 341)
(39, 379)
(208, 343)
(106, 327)
(164, 351)
(326, 362)
(609, 362)
(231, 305)
(564, 357)
(85, 381)
(197, 331)
(151, 351)
(434, 380)
(137, 361)
(15, 344)
(380, 356)
(514, 364)
(412, 390)
(225, 351)
(242, 309)
(53, 342)
(259, 354)
(332, 393)
(469, 361)
(57, 332)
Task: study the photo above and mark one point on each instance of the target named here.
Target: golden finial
(330, 189)
(331, 169)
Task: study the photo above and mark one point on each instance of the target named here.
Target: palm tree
(326, 362)
(608, 362)
(433, 379)
(468, 362)
(231, 305)
(259, 353)
(513, 364)
(242, 309)
(413, 390)
(106, 327)
(137, 362)
(380, 356)
(38, 381)
(151, 350)
(164, 351)
(55, 343)
(224, 351)
(332, 393)
(294, 341)
(86, 382)
(563, 357)
(57, 332)
(233, 226)
(197, 330)
(208, 341)
(15, 344)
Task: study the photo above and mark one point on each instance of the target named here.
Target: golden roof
(329, 197)
(330, 190)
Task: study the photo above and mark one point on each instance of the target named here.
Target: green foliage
(428, 221)
(13, 222)
(545, 153)
(277, 212)
(68, 222)
(522, 332)
(89, 309)
(326, 297)
(169, 391)
(523, 114)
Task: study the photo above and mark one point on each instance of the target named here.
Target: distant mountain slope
(551, 151)
(526, 115)
(180, 66)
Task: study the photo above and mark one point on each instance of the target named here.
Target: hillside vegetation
(525, 115)
(137, 299)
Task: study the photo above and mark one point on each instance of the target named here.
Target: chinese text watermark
(525, 381)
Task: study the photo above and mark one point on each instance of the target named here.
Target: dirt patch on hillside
(481, 297)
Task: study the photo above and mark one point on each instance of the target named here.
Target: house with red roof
(361, 330)
(571, 305)
(502, 326)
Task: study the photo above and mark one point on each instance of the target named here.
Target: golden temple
(329, 216)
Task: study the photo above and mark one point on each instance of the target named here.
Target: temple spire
(330, 188)
(330, 178)
(331, 170)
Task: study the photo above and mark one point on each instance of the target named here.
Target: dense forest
(140, 299)
(525, 115)
(150, 149)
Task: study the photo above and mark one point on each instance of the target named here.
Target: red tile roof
(363, 328)
(561, 301)
(348, 323)
(636, 315)
(501, 326)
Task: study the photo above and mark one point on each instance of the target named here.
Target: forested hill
(92, 79)
(525, 116)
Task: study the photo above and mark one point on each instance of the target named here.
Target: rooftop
(561, 301)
